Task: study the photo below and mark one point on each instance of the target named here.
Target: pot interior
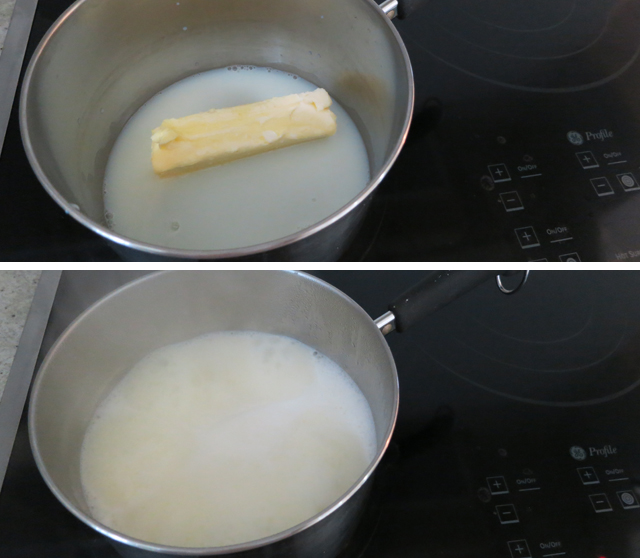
(106, 58)
(108, 339)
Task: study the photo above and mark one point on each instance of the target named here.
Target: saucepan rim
(205, 551)
(226, 253)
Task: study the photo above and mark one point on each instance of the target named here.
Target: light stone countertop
(6, 9)
(16, 293)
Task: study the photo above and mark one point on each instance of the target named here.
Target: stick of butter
(222, 135)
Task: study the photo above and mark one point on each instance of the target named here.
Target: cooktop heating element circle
(568, 354)
(544, 46)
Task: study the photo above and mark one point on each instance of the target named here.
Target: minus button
(511, 201)
(600, 503)
(507, 514)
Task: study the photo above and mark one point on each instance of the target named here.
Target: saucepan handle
(401, 8)
(435, 291)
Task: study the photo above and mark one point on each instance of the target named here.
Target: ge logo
(578, 453)
(575, 138)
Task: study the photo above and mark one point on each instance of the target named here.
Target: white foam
(225, 439)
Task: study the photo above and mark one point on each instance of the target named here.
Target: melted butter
(225, 439)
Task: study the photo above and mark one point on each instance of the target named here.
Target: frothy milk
(243, 203)
(224, 439)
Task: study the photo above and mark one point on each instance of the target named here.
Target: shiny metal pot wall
(93, 354)
(103, 59)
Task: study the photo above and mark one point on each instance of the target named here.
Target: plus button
(588, 475)
(527, 237)
(519, 549)
(499, 172)
(497, 485)
(587, 160)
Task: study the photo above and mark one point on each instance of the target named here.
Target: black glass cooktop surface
(516, 436)
(524, 144)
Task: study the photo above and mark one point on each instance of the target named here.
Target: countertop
(16, 293)
(6, 9)
(16, 287)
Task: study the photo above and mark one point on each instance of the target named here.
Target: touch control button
(527, 484)
(527, 237)
(616, 474)
(497, 485)
(559, 234)
(519, 549)
(499, 173)
(507, 514)
(628, 499)
(587, 160)
(628, 181)
(600, 503)
(552, 548)
(588, 475)
(601, 186)
(511, 201)
(573, 257)
(614, 158)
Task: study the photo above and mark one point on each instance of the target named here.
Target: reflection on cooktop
(547, 45)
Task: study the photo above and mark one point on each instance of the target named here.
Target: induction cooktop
(524, 144)
(516, 435)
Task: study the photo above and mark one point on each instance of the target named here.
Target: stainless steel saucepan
(104, 342)
(103, 59)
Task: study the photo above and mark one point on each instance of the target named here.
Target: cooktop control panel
(563, 190)
(563, 508)
(466, 496)
(555, 198)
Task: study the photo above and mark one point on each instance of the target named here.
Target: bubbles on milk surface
(243, 203)
(224, 439)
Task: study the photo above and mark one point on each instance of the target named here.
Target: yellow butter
(219, 136)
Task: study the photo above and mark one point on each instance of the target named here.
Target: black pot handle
(434, 292)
